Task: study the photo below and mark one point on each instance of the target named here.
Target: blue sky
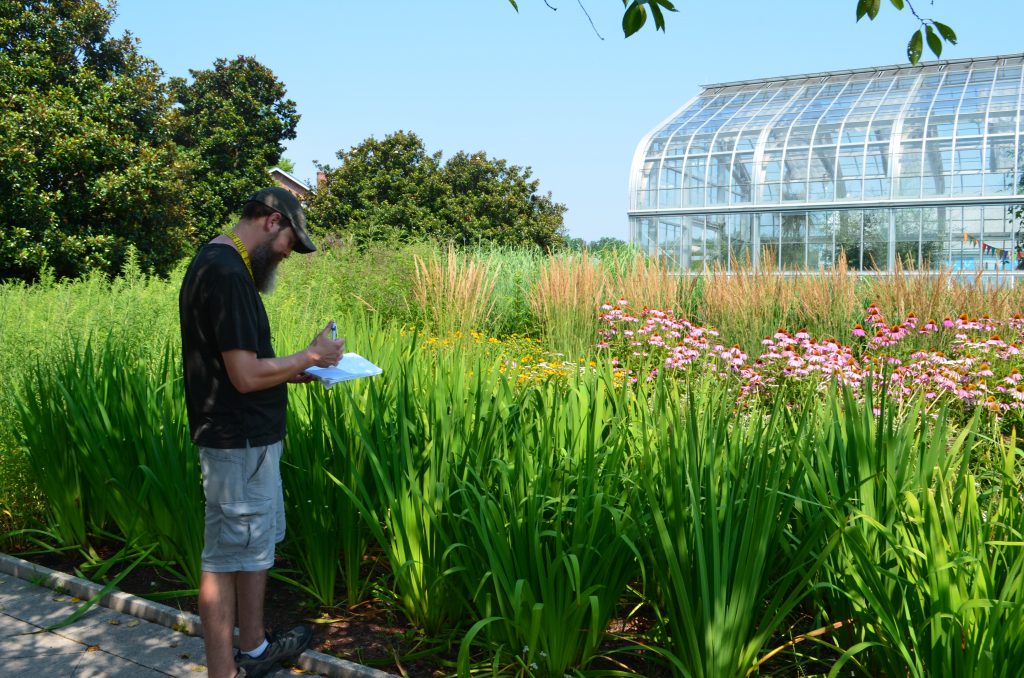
(538, 87)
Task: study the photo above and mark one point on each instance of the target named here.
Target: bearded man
(236, 392)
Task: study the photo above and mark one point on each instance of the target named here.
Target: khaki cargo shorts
(244, 507)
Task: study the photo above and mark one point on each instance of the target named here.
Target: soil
(373, 634)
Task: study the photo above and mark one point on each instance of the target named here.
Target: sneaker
(281, 648)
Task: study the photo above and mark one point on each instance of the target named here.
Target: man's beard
(264, 262)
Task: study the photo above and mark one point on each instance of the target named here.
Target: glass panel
(876, 171)
(909, 183)
(740, 230)
(669, 242)
(1001, 123)
(934, 238)
(768, 231)
(771, 171)
(938, 162)
(671, 183)
(718, 179)
(913, 128)
(848, 237)
(908, 237)
(646, 195)
(742, 176)
(876, 240)
(998, 252)
(821, 239)
(856, 132)
(725, 142)
(969, 228)
(942, 125)
(697, 254)
(714, 241)
(693, 182)
(881, 129)
(999, 166)
(972, 124)
(794, 237)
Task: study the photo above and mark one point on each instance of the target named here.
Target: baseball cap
(283, 201)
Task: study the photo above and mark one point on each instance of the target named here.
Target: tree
(932, 32)
(234, 117)
(98, 153)
(394, 189)
(88, 165)
(488, 200)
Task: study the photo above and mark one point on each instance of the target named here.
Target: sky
(541, 88)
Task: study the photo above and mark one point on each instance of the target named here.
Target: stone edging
(164, 615)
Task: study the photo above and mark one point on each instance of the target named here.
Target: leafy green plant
(543, 542)
(717, 490)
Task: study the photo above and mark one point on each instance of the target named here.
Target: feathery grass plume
(926, 293)
(566, 299)
(827, 302)
(996, 297)
(457, 295)
(746, 304)
(648, 282)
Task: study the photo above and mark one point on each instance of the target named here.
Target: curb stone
(164, 615)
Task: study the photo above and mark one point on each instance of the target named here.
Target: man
(236, 392)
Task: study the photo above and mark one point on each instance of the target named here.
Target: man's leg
(251, 587)
(217, 601)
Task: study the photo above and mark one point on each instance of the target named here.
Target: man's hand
(301, 378)
(324, 351)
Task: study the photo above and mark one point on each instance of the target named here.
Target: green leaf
(862, 8)
(898, 4)
(634, 18)
(914, 47)
(946, 32)
(659, 18)
(514, 5)
(873, 7)
(934, 41)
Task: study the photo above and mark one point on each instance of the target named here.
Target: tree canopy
(99, 153)
(392, 188)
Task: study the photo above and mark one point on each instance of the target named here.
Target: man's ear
(273, 222)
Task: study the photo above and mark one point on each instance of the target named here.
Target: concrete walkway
(123, 636)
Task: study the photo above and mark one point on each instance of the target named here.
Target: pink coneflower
(858, 330)
(947, 322)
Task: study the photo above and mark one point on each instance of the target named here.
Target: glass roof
(896, 134)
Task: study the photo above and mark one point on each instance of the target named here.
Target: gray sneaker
(283, 647)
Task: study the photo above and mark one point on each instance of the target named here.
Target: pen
(334, 330)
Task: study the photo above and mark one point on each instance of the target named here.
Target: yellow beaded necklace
(241, 250)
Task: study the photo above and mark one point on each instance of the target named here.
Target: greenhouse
(919, 166)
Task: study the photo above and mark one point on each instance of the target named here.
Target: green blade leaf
(514, 5)
(873, 7)
(946, 32)
(914, 47)
(898, 4)
(934, 41)
(634, 18)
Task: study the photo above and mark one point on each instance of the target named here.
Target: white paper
(351, 366)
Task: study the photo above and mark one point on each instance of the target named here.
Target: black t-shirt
(221, 310)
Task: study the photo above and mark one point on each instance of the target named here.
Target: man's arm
(249, 373)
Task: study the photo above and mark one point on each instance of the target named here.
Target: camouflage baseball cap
(283, 201)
